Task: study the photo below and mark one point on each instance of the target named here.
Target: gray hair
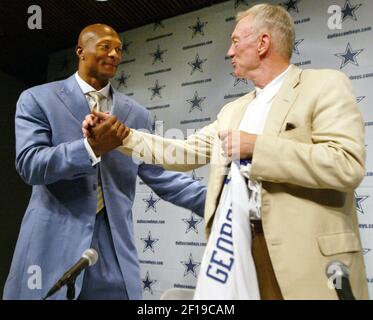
(277, 22)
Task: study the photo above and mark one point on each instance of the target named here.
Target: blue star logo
(125, 45)
(157, 55)
(195, 177)
(291, 5)
(122, 80)
(158, 24)
(349, 56)
(149, 242)
(190, 266)
(359, 199)
(195, 103)
(239, 2)
(359, 99)
(192, 223)
(198, 27)
(151, 202)
(238, 80)
(156, 90)
(148, 283)
(296, 44)
(366, 251)
(196, 64)
(348, 11)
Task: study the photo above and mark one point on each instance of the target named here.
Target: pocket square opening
(289, 126)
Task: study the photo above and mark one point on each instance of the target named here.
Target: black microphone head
(91, 255)
(337, 268)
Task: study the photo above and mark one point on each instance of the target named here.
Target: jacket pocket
(331, 244)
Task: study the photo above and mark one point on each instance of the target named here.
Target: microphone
(89, 258)
(338, 275)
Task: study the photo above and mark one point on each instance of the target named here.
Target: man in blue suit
(68, 176)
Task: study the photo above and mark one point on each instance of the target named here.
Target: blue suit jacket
(58, 224)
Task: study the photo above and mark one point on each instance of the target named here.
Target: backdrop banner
(177, 68)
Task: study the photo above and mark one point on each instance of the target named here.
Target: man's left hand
(237, 144)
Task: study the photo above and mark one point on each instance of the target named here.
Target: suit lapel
(283, 102)
(240, 109)
(121, 113)
(74, 99)
(219, 169)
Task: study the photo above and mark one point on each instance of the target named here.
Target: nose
(230, 52)
(116, 54)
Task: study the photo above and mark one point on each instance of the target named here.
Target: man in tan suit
(307, 155)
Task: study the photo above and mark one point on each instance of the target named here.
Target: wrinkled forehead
(243, 28)
(109, 38)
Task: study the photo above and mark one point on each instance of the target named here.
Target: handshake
(104, 132)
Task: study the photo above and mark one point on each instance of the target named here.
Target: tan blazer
(310, 158)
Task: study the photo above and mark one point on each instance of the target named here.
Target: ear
(79, 52)
(264, 43)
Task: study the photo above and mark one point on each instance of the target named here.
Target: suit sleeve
(173, 154)
(38, 161)
(177, 188)
(335, 158)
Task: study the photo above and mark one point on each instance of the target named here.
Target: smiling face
(99, 51)
(244, 51)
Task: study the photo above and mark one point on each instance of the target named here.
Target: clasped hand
(237, 144)
(104, 132)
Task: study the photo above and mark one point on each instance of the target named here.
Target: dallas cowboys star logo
(239, 2)
(195, 177)
(156, 90)
(148, 283)
(291, 5)
(349, 56)
(238, 80)
(296, 44)
(359, 99)
(149, 242)
(198, 27)
(192, 223)
(348, 11)
(195, 103)
(190, 266)
(157, 55)
(196, 64)
(125, 45)
(366, 250)
(122, 80)
(151, 202)
(359, 199)
(158, 24)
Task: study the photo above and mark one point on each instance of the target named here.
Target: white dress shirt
(253, 122)
(257, 111)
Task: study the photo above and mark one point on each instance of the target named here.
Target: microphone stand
(88, 258)
(70, 293)
(347, 293)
